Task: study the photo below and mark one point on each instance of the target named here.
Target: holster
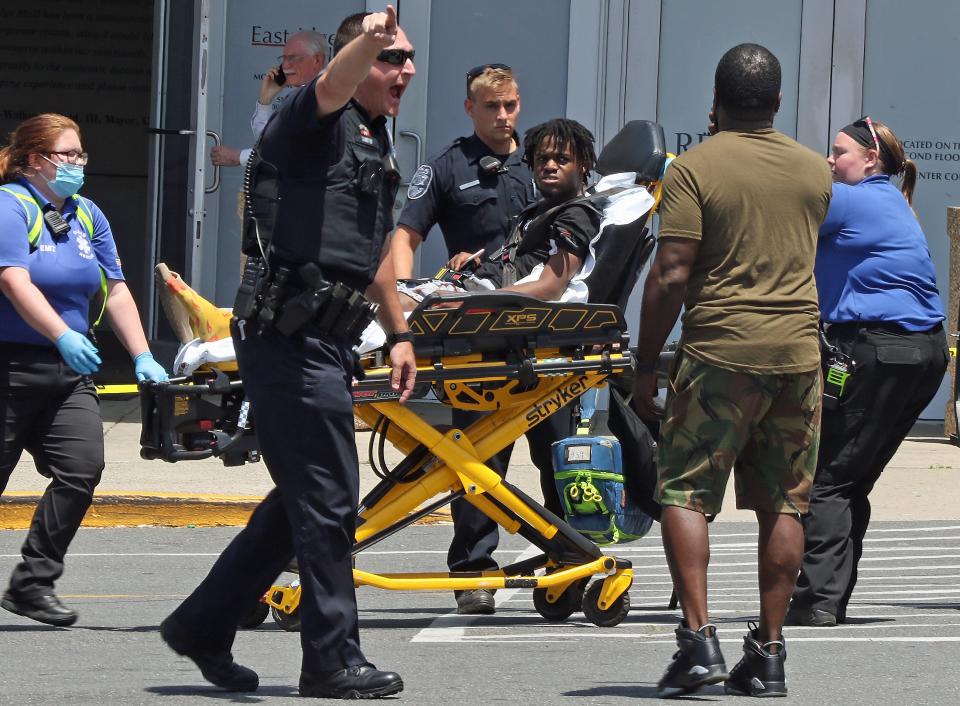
(332, 308)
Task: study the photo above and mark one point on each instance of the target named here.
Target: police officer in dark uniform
(474, 190)
(476, 186)
(320, 189)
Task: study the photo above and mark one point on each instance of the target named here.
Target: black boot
(760, 672)
(696, 664)
(216, 666)
(45, 608)
(361, 682)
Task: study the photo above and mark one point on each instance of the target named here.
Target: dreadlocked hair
(565, 134)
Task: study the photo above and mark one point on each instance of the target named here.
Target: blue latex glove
(149, 369)
(78, 352)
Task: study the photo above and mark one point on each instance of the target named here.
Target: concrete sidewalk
(921, 483)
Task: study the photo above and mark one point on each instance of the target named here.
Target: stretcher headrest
(639, 147)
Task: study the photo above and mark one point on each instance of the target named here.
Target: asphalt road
(895, 650)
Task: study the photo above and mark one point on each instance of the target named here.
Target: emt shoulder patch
(420, 181)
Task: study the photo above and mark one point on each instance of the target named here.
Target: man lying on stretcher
(549, 241)
(550, 251)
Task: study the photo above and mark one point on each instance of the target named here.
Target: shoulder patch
(420, 182)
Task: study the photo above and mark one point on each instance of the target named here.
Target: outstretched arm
(352, 63)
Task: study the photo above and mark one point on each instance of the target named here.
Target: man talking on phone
(303, 58)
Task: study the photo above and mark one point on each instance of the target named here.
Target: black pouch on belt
(301, 309)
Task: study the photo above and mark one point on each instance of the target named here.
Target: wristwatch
(399, 337)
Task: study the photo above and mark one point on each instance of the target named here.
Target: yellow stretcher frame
(453, 466)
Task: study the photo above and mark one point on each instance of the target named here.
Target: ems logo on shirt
(420, 181)
(83, 245)
(366, 137)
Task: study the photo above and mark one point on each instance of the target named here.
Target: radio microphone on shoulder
(491, 165)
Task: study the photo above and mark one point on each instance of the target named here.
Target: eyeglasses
(477, 70)
(873, 133)
(73, 157)
(290, 58)
(397, 57)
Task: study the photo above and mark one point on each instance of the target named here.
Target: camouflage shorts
(766, 426)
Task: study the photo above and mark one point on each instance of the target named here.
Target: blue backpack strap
(31, 209)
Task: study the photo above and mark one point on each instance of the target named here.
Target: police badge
(420, 181)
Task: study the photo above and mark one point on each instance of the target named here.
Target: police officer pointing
(475, 189)
(320, 187)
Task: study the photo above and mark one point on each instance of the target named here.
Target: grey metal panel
(253, 36)
(816, 51)
(694, 35)
(846, 100)
(530, 36)
(410, 127)
(586, 37)
(643, 60)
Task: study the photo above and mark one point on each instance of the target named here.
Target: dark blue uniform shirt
(326, 215)
(474, 209)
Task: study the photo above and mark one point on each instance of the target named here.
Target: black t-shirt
(570, 228)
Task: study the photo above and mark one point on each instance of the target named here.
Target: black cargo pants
(897, 374)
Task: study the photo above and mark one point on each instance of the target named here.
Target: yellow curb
(155, 509)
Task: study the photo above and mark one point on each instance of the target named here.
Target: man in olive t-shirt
(737, 244)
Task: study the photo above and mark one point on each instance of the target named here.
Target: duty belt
(333, 309)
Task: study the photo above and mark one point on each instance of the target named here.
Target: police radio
(839, 369)
(492, 165)
(55, 222)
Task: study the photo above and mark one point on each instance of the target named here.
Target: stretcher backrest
(620, 256)
(639, 147)
(623, 250)
(482, 322)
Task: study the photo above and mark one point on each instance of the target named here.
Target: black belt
(888, 326)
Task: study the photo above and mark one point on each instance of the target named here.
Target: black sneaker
(760, 672)
(696, 664)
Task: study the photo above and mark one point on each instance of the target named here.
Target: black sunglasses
(397, 57)
(477, 70)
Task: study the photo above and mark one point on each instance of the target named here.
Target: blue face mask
(68, 180)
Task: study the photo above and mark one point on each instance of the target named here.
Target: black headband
(859, 131)
(861, 134)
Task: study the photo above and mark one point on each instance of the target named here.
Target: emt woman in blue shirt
(56, 254)
(884, 354)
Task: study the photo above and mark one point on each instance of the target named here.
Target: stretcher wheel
(566, 605)
(255, 617)
(288, 621)
(613, 615)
